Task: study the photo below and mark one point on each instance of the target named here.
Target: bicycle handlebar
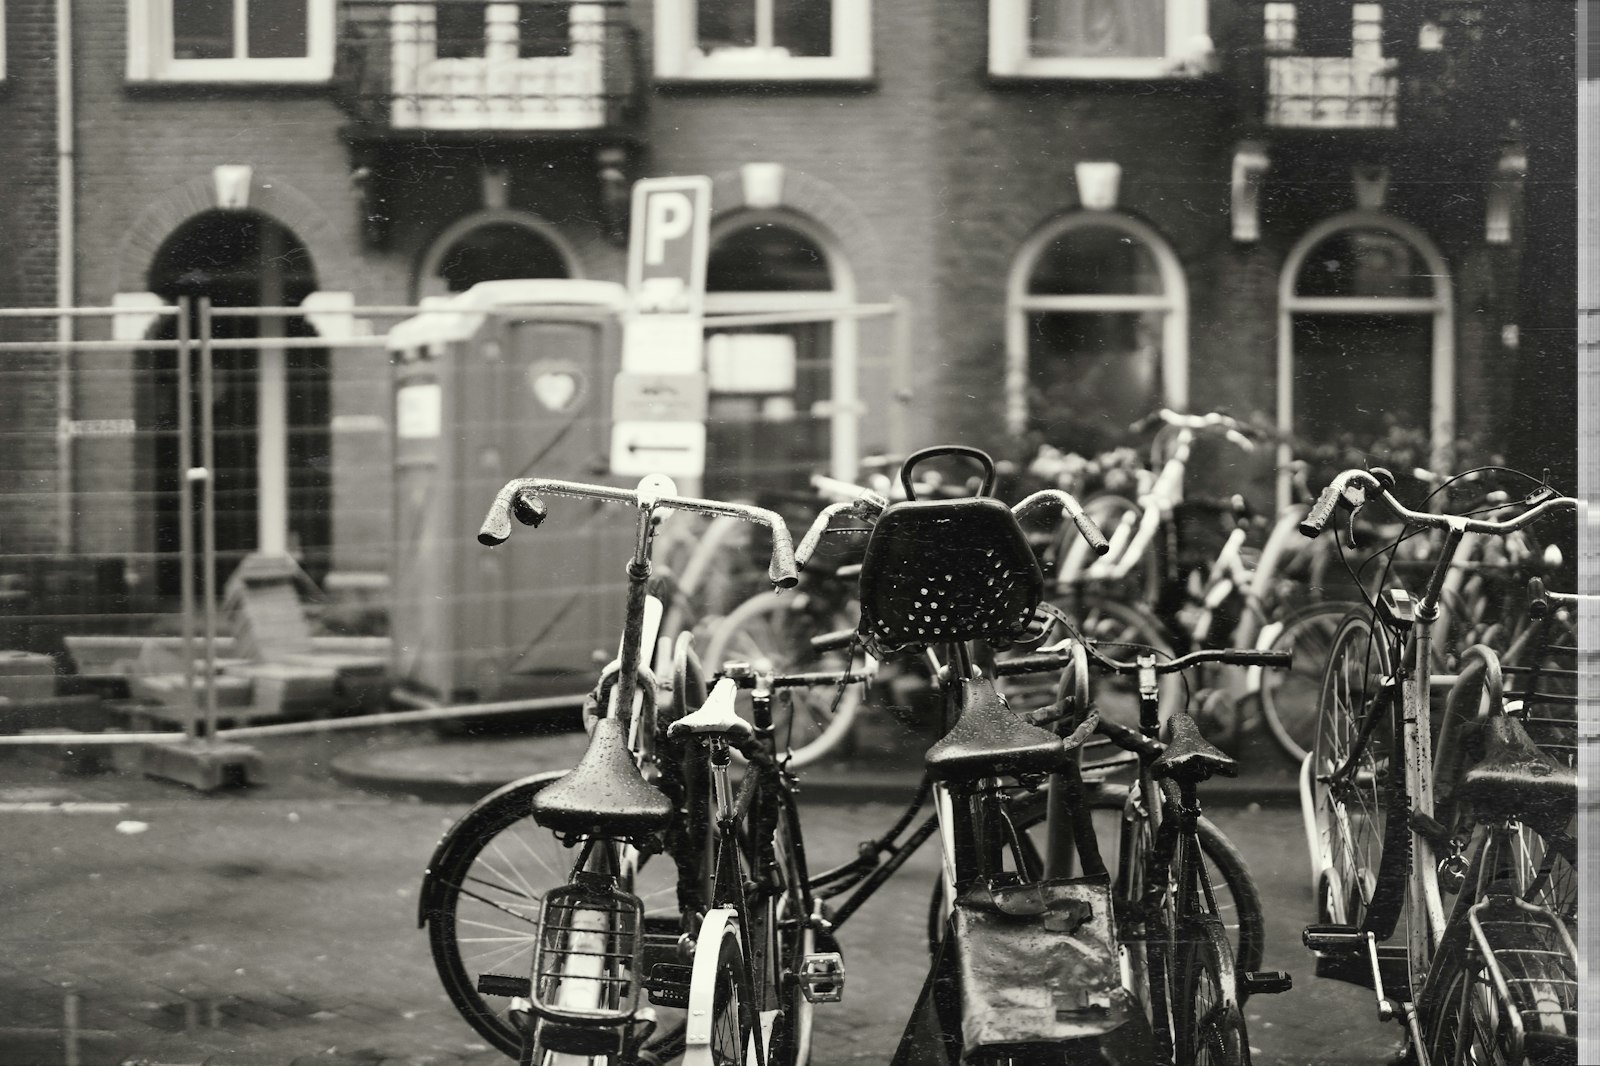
(520, 497)
(1240, 433)
(1071, 508)
(1352, 486)
(1272, 660)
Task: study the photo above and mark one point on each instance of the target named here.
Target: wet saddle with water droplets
(604, 795)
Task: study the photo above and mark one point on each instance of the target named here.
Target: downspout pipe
(66, 281)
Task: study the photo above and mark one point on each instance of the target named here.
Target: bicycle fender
(495, 808)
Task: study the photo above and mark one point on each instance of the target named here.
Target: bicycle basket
(939, 571)
(587, 956)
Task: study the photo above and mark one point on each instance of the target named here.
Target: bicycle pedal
(1334, 939)
(668, 984)
(496, 984)
(822, 977)
(1266, 982)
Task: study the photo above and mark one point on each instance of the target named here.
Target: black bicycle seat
(940, 571)
(604, 795)
(989, 740)
(1189, 757)
(1515, 779)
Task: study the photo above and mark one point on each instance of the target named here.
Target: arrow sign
(676, 449)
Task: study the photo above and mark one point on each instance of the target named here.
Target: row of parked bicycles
(655, 902)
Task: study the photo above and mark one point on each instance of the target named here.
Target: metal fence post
(208, 516)
(186, 503)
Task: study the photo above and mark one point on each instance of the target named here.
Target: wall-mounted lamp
(1250, 165)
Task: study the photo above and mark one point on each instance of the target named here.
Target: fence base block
(202, 766)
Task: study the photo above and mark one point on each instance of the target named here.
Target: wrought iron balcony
(531, 68)
(1357, 89)
(1435, 70)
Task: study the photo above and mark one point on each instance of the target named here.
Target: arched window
(494, 245)
(782, 395)
(1096, 331)
(1365, 339)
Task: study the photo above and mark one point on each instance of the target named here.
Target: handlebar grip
(496, 528)
(1272, 660)
(781, 568)
(1322, 510)
(1538, 606)
(837, 640)
(1091, 532)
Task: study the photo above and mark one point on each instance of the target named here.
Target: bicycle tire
(1289, 698)
(721, 1024)
(1208, 1024)
(1356, 885)
(777, 630)
(463, 891)
(1463, 1020)
(1230, 876)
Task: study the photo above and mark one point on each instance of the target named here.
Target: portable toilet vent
(508, 379)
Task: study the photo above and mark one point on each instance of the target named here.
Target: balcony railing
(1358, 90)
(535, 66)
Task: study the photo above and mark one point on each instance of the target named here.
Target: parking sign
(667, 245)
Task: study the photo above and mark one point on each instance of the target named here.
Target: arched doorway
(495, 245)
(1096, 331)
(243, 259)
(1365, 335)
(782, 396)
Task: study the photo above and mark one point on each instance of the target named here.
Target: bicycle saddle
(716, 716)
(604, 795)
(1515, 779)
(989, 740)
(1189, 758)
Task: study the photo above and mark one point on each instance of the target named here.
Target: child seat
(941, 571)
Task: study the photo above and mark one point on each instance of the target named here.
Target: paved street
(278, 925)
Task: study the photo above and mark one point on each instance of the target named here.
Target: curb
(835, 784)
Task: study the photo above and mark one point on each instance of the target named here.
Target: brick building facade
(1085, 215)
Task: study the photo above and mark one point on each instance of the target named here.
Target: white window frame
(679, 58)
(1172, 303)
(1188, 48)
(150, 57)
(1440, 307)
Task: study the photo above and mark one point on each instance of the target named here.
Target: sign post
(659, 401)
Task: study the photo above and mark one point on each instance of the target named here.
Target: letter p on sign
(667, 244)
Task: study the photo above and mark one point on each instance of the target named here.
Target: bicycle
(588, 943)
(1367, 790)
(1182, 602)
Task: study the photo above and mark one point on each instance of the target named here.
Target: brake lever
(1350, 527)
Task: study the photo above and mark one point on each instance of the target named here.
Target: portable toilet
(508, 379)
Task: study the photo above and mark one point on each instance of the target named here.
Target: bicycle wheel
(1208, 1024)
(720, 1001)
(774, 632)
(1124, 630)
(1289, 697)
(789, 939)
(481, 897)
(1465, 1019)
(1362, 864)
(1238, 900)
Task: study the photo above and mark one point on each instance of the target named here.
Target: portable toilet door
(520, 374)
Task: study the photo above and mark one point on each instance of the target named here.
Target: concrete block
(285, 688)
(86, 713)
(167, 690)
(362, 682)
(202, 766)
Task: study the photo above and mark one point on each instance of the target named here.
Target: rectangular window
(763, 40)
(541, 30)
(1098, 38)
(230, 40)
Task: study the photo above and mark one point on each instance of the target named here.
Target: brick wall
(28, 279)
